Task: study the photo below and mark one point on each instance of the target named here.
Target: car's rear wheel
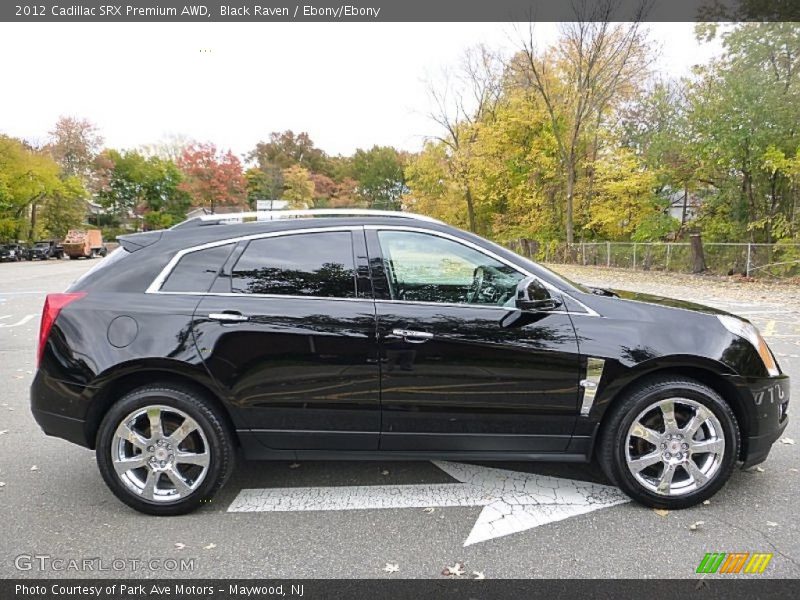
(670, 443)
(164, 450)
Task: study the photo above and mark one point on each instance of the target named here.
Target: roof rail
(270, 215)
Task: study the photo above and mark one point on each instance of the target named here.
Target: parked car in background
(364, 334)
(12, 253)
(45, 249)
(84, 243)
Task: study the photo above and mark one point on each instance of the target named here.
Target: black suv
(362, 334)
(12, 253)
(45, 249)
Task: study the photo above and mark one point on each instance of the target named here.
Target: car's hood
(667, 302)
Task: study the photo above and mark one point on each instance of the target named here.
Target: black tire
(219, 439)
(613, 442)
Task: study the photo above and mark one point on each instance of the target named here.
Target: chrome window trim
(155, 286)
(242, 295)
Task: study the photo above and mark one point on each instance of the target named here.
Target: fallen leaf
(793, 470)
(478, 575)
(209, 547)
(428, 510)
(294, 465)
(391, 568)
(787, 441)
(5, 431)
(180, 546)
(384, 472)
(34, 468)
(2, 484)
(771, 524)
(457, 570)
(696, 525)
(706, 502)
(661, 512)
(17, 376)
(756, 470)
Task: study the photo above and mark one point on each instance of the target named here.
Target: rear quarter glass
(90, 275)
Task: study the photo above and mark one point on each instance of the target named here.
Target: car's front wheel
(164, 450)
(670, 443)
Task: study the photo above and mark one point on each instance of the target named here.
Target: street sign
(512, 501)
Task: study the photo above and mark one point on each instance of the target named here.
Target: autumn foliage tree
(74, 143)
(212, 178)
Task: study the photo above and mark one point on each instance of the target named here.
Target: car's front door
(461, 368)
(288, 332)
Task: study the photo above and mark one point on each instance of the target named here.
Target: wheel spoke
(700, 416)
(695, 473)
(668, 412)
(645, 461)
(123, 465)
(665, 481)
(713, 446)
(150, 485)
(188, 426)
(126, 433)
(647, 434)
(178, 481)
(156, 430)
(192, 458)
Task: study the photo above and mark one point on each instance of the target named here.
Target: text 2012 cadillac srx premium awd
(361, 334)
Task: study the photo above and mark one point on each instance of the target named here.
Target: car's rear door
(462, 369)
(288, 332)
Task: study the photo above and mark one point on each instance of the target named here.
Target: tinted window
(196, 271)
(309, 264)
(428, 268)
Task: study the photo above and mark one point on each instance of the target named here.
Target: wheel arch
(124, 380)
(705, 374)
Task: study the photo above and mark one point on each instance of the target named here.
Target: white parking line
(19, 323)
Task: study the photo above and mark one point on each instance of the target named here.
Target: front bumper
(770, 416)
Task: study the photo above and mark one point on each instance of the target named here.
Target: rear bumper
(59, 409)
(72, 430)
(770, 398)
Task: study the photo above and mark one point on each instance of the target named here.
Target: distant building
(676, 205)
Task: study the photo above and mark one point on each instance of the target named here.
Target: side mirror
(533, 296)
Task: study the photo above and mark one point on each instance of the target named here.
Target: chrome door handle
(228, 317)
(413, 337)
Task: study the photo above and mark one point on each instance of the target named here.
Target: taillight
(52, 306)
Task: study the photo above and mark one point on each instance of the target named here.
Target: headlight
(749, 332)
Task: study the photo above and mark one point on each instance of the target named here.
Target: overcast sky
(349, 85)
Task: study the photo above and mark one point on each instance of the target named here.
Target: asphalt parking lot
(55, 504)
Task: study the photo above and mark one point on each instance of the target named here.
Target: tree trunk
(685, 206)
(570, 192)
(33, 222)
(698, 258)
(470, 209)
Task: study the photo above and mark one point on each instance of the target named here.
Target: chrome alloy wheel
(160, 453)
(675, 446)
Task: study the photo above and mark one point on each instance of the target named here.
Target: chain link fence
(751, 260)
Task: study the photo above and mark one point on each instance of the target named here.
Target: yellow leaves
(298, 187)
